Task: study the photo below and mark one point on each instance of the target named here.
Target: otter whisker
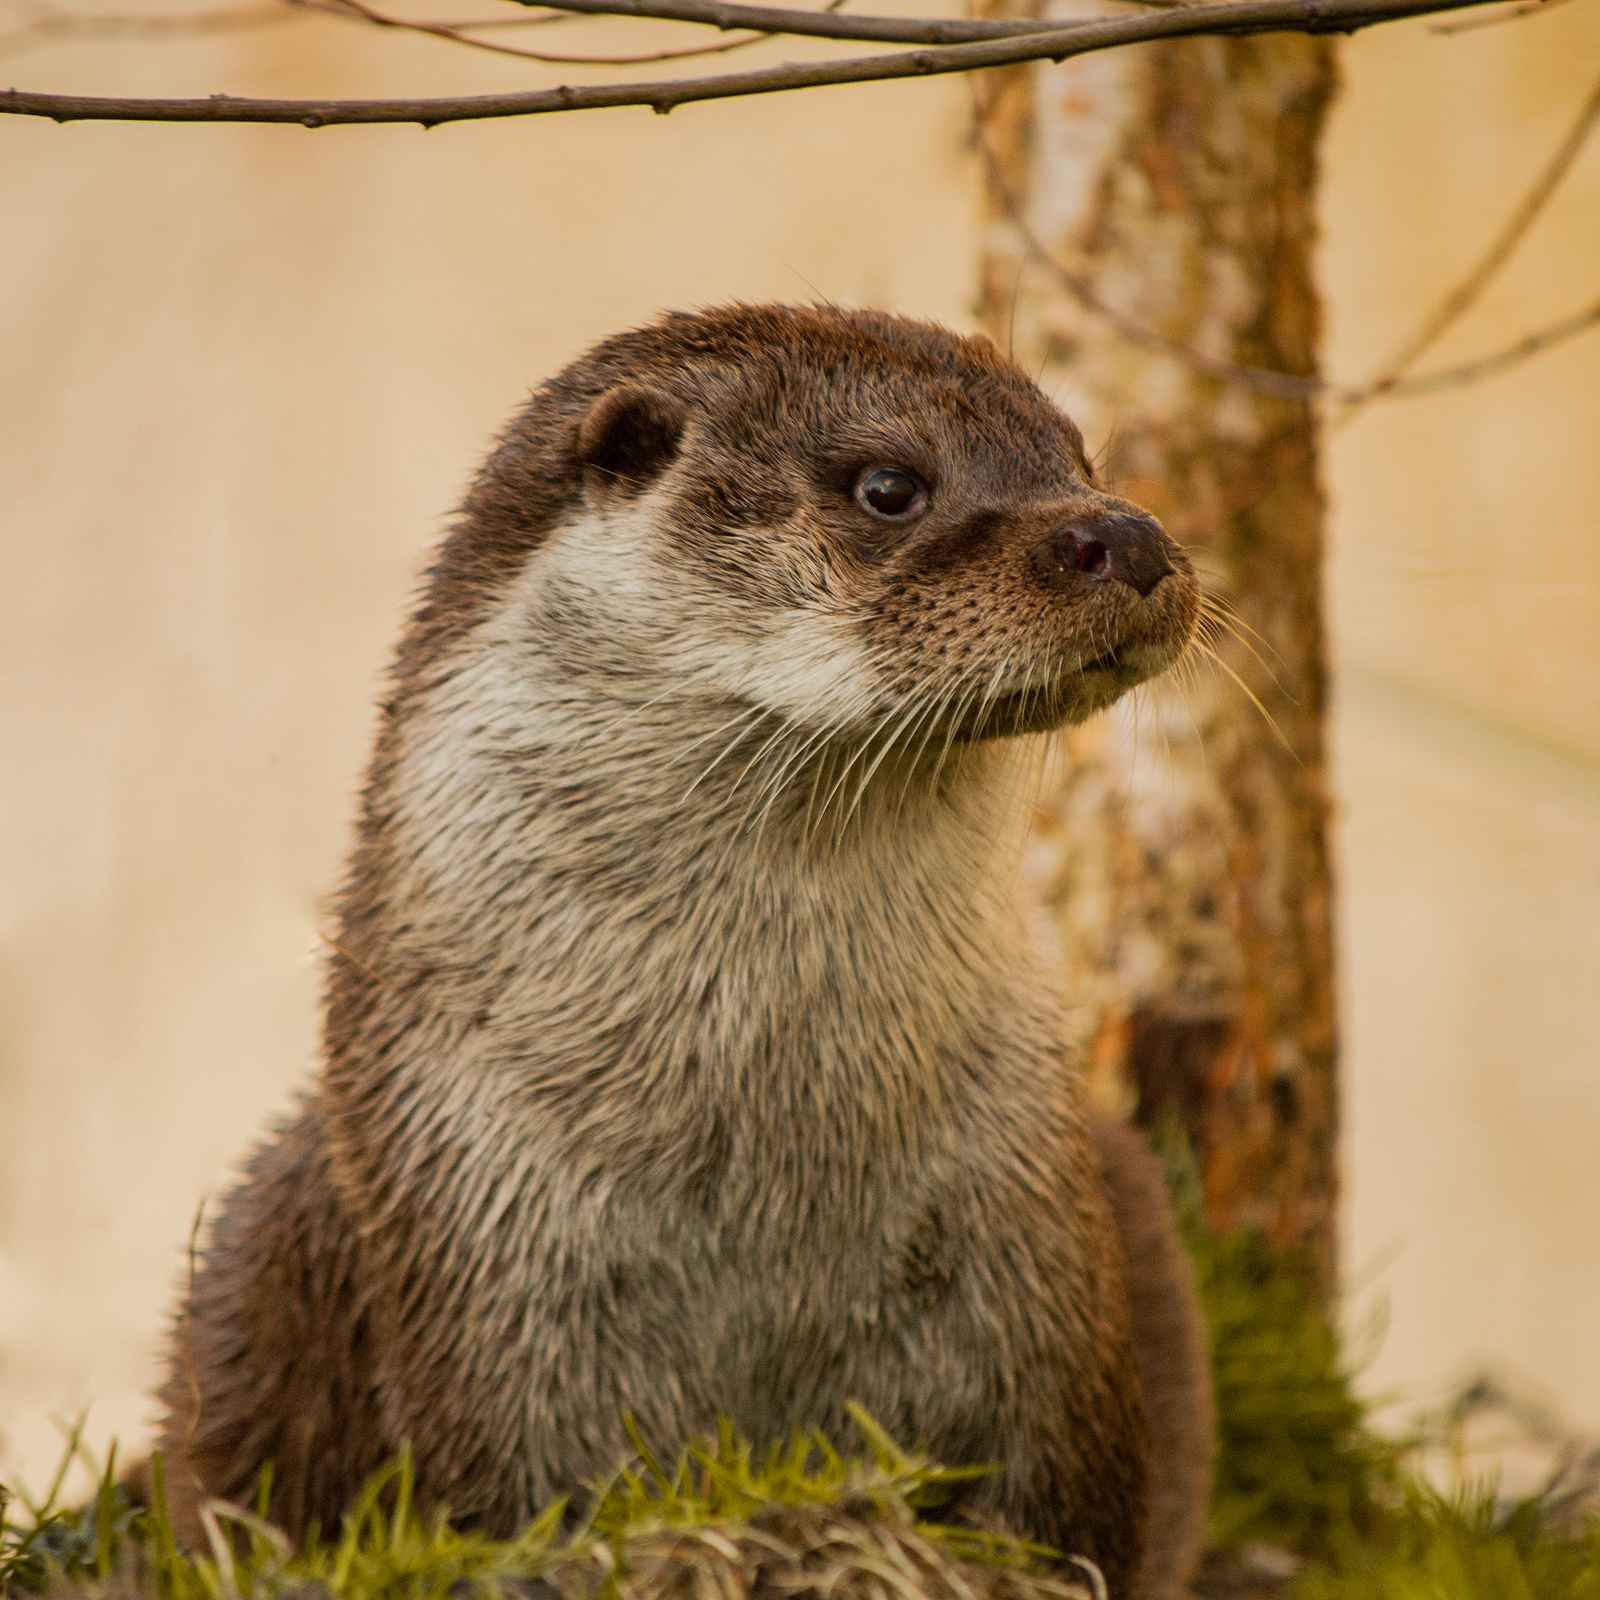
(1023, 793)
(777, 734)
(1185, 674)
(933, 704)
(911, 739)
(859, 753)
(1227, 622)
(889, 741)
(636, 710)
(833, 752)
(986, 694)
(996, 687)
(1212, 655)
(1145, 700)
(774, 784)
(722, 755)
(712, 733)
(829, 753)
(777, 783)
(952, 727)
(1223, 608)
(955, 705)
(1030, 693)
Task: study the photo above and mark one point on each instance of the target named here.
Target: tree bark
(1181, 843)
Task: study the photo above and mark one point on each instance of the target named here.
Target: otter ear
(628, 439)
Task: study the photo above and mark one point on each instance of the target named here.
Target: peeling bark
(1182, 842)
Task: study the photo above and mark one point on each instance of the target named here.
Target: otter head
(859, 524)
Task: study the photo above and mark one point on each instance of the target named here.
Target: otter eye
(889, 492)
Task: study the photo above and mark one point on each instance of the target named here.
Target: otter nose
(1123, 545)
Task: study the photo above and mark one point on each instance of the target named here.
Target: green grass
(1299, 1467)
(1436, 1547)
(806, 1519)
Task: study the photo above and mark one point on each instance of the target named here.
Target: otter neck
(594, 900)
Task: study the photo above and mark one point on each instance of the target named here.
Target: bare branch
(1485, 366)
(356, 11)
(502, 22)
(815, 24)
(1233, 17)
(56, 26)
(51, 26)
(1509, 237)
(1515, 14)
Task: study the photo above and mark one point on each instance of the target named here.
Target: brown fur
(686, 1053)
(1169, 1339)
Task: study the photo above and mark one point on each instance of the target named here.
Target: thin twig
(1492, 365)
(55, 27)
(1515, 14)
(1233, 17)
(356, 11)
(502, 22)
(1495, 257)
(819, 24)
(52, 26)
(495, 22)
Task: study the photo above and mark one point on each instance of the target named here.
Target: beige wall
(248, 371)
(1464, 580)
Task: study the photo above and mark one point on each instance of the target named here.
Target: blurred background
(249, 372)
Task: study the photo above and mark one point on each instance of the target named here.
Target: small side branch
(1533, 9)
(1485, 366)
(814, 24)
(1449, 309)
(50, 26)
(455, 33)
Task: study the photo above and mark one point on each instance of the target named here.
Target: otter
(687, 1052)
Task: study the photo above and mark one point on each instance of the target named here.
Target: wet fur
(686, 1053)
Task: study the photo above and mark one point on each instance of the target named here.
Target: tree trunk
(1144, 200)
